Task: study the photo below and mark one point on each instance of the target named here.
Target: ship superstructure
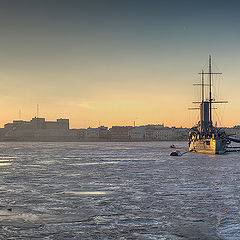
(204, 137)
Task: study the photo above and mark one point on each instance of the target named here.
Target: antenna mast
(37, 110)
(20, 114)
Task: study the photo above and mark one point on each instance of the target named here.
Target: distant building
(235, 131)
(38, 123)
(104, 133)
(120, 133)
(170, 134)
(151, 131)
(97, 134)
(2, 132)
(137, 133)
(92, 133)
(38, 129)
(78, 134)
(17, 125)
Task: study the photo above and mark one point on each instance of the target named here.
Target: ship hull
(208, 146)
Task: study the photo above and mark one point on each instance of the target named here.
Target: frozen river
(117, 191)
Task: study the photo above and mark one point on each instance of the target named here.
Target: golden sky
(115, 63)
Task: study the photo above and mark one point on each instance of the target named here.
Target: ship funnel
(204, 112)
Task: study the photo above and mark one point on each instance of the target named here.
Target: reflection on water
(86, 193)
(94, 163)
(116, 191)
(5, 164)
(5, 161)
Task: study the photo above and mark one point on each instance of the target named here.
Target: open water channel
(117, 191)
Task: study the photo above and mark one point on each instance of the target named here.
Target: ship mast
(202, 86)
(210, 89)
(211, 100)
(206, 104)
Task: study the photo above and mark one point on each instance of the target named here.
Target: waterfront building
(137, 133)
(236, 131)
(92, 133)
(97, 134)
(161, 133)
(151, 131)
(37, 123)
(104, 133)
(77, 134)
(38, 129)
(120, 133)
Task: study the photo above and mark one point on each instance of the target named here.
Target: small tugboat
(176, 153)
(204, 137)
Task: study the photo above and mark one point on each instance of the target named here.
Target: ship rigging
(204, 137)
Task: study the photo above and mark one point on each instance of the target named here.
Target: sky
(116, 62)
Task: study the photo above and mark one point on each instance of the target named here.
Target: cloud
(86, 105)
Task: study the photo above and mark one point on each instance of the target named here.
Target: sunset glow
(115, 62)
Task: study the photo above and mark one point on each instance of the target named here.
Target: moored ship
(204, 137)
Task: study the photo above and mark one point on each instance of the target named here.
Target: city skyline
(116, 61)
(99, 125)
